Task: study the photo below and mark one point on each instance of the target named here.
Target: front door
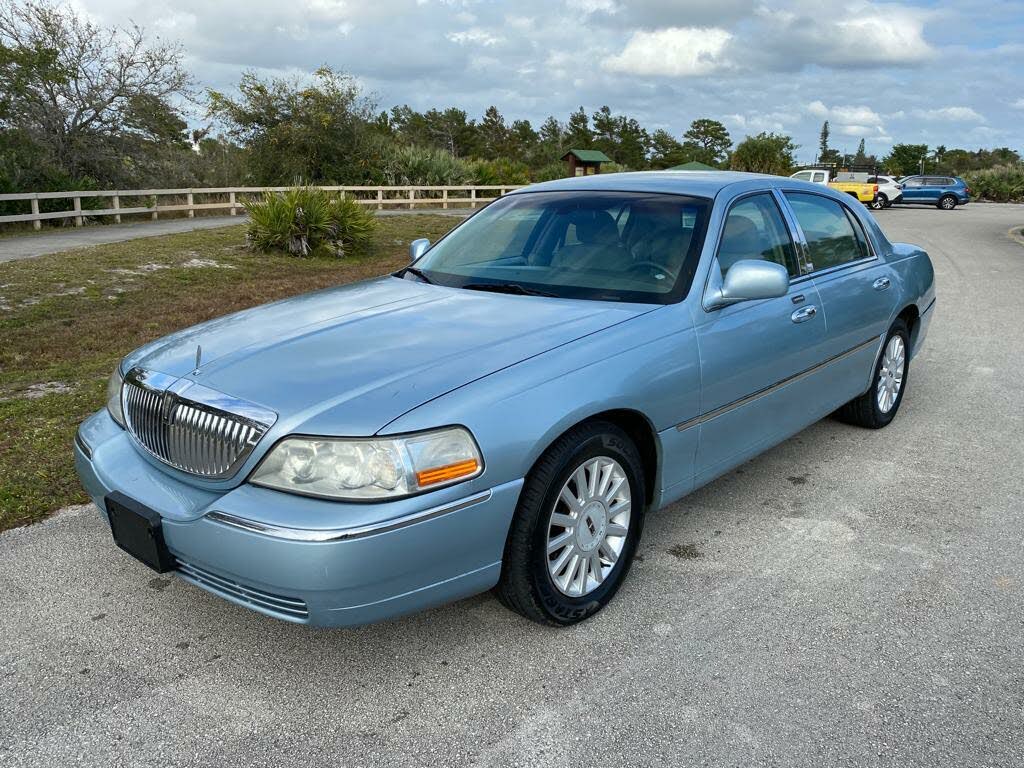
(756, 357)
(914, 190)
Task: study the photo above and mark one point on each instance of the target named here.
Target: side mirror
(417, 248)
(746, 280)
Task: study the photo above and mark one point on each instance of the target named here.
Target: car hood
(349, 360)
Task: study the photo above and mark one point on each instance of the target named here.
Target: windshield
(611, 246)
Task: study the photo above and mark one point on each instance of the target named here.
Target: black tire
(864, 411)
(525, 585)
(880, 202)
(947, 202)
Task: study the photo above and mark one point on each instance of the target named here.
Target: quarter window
(832, 238)
(754, 229)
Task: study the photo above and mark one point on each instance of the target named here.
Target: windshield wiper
(419, 273)
(513, 288)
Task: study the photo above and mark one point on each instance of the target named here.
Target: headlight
(372, 468)
(114, 396)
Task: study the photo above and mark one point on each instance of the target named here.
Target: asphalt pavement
(851, 598)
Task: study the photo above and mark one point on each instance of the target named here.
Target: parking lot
(849, 598)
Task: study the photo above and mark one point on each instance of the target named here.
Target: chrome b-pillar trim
(344, 534)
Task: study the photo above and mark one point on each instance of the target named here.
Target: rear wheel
(576, 527)
(947, 202)
(878, 406)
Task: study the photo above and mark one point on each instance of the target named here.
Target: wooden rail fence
(230, 199)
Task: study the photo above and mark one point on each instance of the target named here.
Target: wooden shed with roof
(585, 161)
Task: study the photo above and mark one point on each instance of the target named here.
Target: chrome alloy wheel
(890, 376)
(588, 526)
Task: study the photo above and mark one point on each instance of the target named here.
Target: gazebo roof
(588, 155)
(693, 165)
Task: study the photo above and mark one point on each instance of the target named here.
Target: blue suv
(946, 192)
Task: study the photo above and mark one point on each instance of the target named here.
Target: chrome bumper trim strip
(774, 387)
(344, 534)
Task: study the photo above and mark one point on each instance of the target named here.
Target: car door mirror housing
(747, 280)
(417, 248)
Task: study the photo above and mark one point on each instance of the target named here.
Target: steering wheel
(653, 266)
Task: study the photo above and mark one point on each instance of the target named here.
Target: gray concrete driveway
(850, 598)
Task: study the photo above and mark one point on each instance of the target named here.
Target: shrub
(424, 166)
(502, 170)
(306, 221)
(1002, 184)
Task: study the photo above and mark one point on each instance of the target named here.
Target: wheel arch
(640, 430)
(910, 315)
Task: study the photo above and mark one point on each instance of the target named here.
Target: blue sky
(929, 72)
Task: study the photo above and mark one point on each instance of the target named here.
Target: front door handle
(804, 314)
(881, 284)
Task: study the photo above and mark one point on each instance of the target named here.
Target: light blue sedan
(503, 412)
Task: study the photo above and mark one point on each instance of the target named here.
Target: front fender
(649, 365)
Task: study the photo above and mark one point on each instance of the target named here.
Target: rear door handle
(881, 284)
(804, 314)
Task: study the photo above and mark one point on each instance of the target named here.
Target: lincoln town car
(504, 411)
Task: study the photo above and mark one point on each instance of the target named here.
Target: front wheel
(576, 527)
(879, 203)
(947, 202)
(878, 406)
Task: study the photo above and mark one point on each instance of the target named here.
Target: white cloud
(475, 36)
(952, 114)
(1018, 104)
(858, 121)
(673, 52)
(592, 6)
(832, 36)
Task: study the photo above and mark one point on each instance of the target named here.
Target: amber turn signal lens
(447, 472)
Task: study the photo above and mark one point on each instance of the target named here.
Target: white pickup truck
(886, 189)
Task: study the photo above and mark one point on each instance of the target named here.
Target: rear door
(857, 290)
(933, 188)
(754, 355)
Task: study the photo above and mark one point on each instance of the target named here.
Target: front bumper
(370, 562)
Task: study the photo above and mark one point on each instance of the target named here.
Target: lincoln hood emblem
(199, 357)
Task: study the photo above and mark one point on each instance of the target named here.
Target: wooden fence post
(36, 223)
(412, 199)
(78, 210)
(116, 200)
(190, 201)
(380, 198)
(156, 201)
(232, 200)
(444, 196)
(472, 197)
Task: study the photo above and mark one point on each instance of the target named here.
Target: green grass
(68, 318)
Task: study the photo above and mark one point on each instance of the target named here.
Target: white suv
(889, 191)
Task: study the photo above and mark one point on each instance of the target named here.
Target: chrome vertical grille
(206, 434)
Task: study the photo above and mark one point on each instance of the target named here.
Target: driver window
(754, 229)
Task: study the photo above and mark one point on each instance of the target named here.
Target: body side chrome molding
(343, 534)
(774, 387)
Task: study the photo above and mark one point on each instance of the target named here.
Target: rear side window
(754, 229)
(833, 239)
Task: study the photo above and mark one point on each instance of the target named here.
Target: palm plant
(307, 221)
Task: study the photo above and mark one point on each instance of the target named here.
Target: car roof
(696, 183)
